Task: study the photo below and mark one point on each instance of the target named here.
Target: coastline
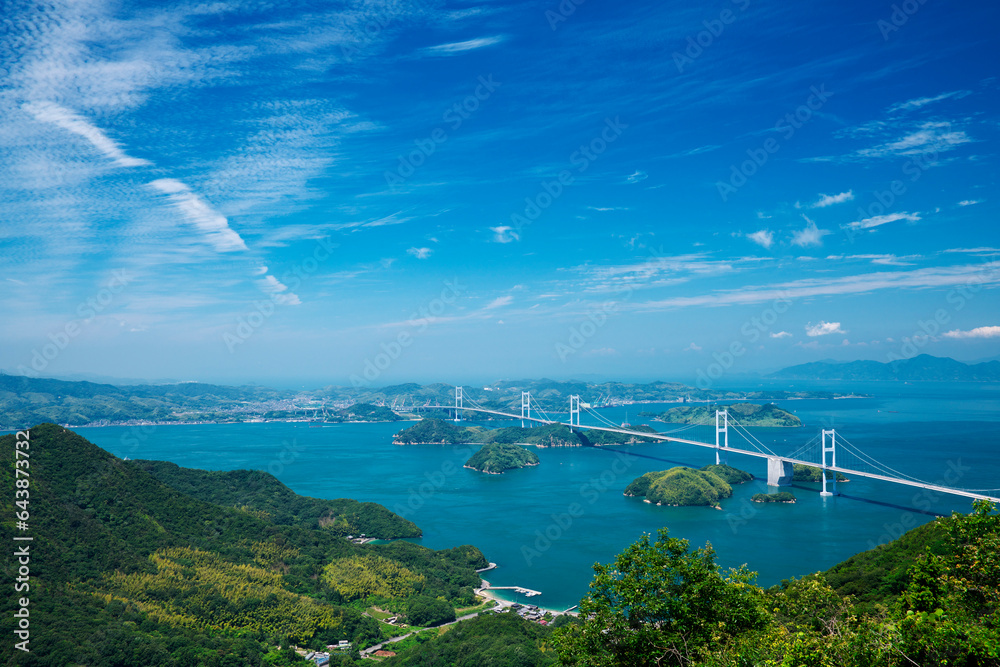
(490, 594)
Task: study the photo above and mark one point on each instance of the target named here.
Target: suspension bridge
(829, 451)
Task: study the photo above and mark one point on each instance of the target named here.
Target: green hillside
(262, 494)
(495, 458)
(126, 569)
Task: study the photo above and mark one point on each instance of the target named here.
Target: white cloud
(978, 332)
(823, 329)
(207, 220)
(970, 202)
(499, 302)
(608, 208)
(49, 112)
(637, 177)
(924, 101)
(929, 137)
(420, 253)
(504, 234)
(780, 334)
(810, 235)
(976, 251)
(878, 220)
(461, 47)
(763, 237)
(276, 289)
(693, 347)
(830, 200)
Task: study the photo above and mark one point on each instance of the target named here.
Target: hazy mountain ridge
(922, 368)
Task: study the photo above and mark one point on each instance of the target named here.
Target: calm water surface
(546, 526)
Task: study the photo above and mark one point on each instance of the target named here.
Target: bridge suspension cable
(748, 436)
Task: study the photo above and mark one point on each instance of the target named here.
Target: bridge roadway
(699, 443)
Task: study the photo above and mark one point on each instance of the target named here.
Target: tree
(661, 604)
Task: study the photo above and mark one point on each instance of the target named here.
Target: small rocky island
(748, 414)
(780, 497)
(682, 486)
(495, 458)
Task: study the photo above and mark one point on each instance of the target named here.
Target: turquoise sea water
(546, 526)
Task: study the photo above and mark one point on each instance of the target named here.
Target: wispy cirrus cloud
(987, 273)
(420, 253)
(920, 102)
(454, 48)
(879, 220)
(49, 112)
(213, 225)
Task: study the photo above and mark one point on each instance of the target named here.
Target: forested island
(748, 414)
(804, 473)
(683, 486)
(780, 497)
(495, 458)
(439, 432)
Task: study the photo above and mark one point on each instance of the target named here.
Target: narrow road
(378, 647)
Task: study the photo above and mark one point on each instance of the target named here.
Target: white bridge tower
(458, 404)
(832, 449)
(723, 417)
(525, 406)
(574, 409)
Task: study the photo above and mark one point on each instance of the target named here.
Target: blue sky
(391, 191)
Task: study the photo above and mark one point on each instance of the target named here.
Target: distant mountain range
(922, 368)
